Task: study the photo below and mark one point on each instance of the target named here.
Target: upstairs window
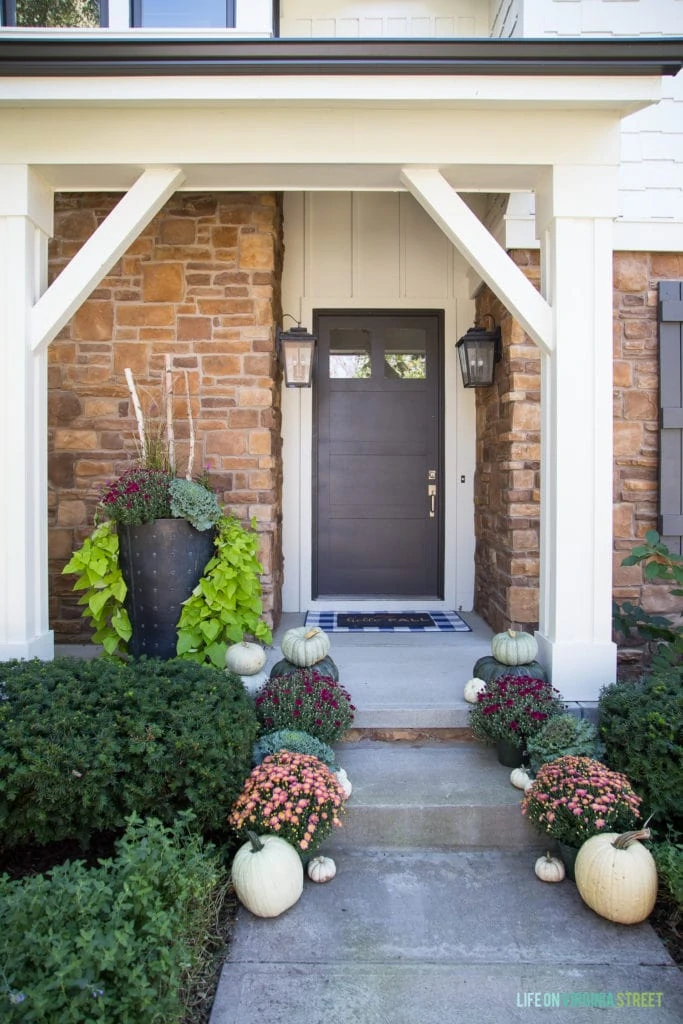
(53, 13)
(184, 13)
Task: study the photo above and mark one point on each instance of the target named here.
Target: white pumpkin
(617, 876)
(343, 780)
(473, 687)
(549, 869)
(321, 869)
(520, 778)
(305, 646)
(514, 648)
(268, 875)
(245, 658)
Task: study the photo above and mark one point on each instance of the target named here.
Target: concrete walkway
(435, 914)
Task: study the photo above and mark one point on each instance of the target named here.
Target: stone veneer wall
(507, 481)
(506, 488)
(202, 284)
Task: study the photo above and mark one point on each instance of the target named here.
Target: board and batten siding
(670, 316)
(374, 250)
(374, 19)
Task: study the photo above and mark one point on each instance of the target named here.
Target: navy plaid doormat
(388, 622)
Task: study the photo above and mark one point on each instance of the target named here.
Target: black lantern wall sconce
(296, 351)
(479, 351)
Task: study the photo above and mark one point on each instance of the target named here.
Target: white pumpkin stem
(512, 633)
(623, 841)
(311, 633)
(256, 844)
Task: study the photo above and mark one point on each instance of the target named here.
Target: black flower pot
(161, 563)
(510, 753)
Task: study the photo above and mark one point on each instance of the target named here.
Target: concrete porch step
(439, 794)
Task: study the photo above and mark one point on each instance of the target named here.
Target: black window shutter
(670, 309)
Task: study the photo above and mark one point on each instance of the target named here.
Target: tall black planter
(161, 563)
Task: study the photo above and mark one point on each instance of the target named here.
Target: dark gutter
(98, 56)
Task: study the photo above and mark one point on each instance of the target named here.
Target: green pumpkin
(326, 667)
(488, 669)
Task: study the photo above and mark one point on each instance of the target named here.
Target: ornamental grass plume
(293, 796)
(306, 701)
(513, 708)
(574, 798)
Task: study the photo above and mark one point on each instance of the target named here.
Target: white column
(574, 218)
(25, 226)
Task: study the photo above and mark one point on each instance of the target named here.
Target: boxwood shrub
(121, 942)
(85, 743)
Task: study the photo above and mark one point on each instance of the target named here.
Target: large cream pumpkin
(268, 875)
(617, 877)
(514, 648)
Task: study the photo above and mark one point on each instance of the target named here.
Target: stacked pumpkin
(267, 872)
(513, 653)
(305, 647)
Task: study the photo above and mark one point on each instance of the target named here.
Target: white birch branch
(170, 435)
(190, 459)
(138, 411)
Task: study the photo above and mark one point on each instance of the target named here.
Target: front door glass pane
(405, 354)
(183, 14)
(350, 357)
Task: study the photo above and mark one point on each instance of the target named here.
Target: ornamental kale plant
(192, 501)
(564, 734)
(574, 798)
(306, 701)
(296, 741)
(138, 496)
(293, 796)
(513, 708)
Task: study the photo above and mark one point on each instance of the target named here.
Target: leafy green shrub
(668, 857)
(308, 701)
(297, 742)
(641, 723)
(564, 734)
(85, 743)
(116, 943)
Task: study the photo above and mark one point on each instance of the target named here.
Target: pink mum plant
(574, 798)
(294, 796)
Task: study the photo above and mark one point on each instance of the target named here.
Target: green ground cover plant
(120, 942)
(83, 744)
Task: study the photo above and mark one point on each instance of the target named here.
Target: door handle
(431, 494)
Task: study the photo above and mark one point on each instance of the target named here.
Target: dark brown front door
(378, 522)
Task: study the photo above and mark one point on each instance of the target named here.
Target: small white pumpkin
(514, 648)
(305, 646)
(473, 687)
(245, 658)
(343, 780)
(321, 869)
(268, 875)
(549, 869)
(617, 876)
(520, 778)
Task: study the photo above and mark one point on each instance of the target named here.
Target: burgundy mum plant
(306, 701)
(513, 708)
(574, 798)
(138, 496)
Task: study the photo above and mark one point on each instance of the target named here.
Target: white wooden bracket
(482, 251)
(100, 252)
